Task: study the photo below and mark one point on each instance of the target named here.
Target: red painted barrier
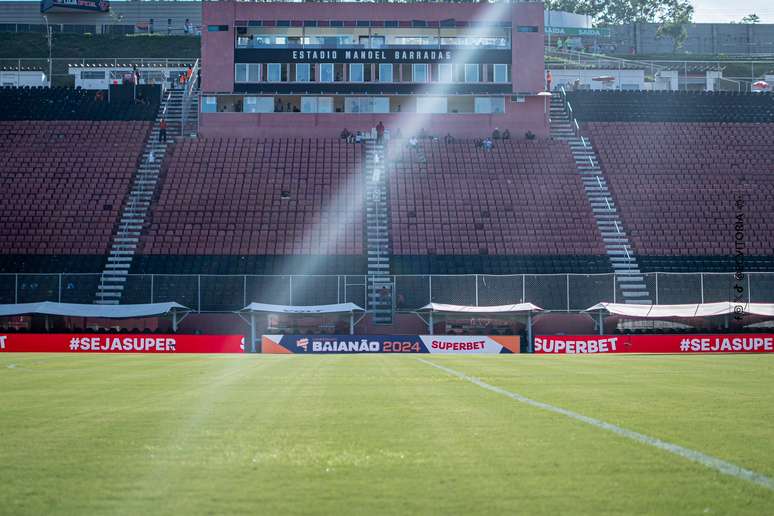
(695, 343)
(119, 343)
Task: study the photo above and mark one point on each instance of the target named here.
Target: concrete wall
(703, 38)
(518, 119)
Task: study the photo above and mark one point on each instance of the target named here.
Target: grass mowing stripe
(727, 468)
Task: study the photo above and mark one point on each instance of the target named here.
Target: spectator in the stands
(506, 135)
(549, 79)
(344, 134)
(163, 130)
(379, 132)
(384, 295)
(496, 134)
(187, 26)
(413, 142)
(448, 138)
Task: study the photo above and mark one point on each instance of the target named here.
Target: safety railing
(222, 293)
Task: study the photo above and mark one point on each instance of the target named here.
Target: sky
(723, 11)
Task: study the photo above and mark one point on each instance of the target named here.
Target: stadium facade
(278, 69)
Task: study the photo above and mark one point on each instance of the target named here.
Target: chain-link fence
(222, 293)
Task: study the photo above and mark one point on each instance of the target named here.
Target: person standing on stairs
(379, 132)
(549, 79)
(163, 130)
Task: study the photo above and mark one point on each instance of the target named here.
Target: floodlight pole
(352, 323)
(601, 324)
(49, 37)
(430, 323)
(529, 331)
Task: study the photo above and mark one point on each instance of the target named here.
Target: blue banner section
(324, 344)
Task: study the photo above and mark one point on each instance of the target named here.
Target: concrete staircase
(137, 204)
(380, 284)
(630, 283)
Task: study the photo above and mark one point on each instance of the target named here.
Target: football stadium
(331, 257)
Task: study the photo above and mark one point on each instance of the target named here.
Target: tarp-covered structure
(520, 311)
(690, 313)
(129, 311)
(338, 309)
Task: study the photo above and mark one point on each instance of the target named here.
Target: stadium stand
(664, 106)
(520, 208)
(74, 104)
(234, 206)
(676, 185)
(63, 186)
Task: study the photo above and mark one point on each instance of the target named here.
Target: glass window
(253, 72)
(273, 72)
(419, 72)
(259, 105)
(490, 105)
(501, 73)
(302, 72)
(385, 72)
(309, 104)
(217, 28)
(317, 104)
(325, 105)
(445, 73)
(432, 105)
(326, 72)
(471, 73)
(367, 105)
(240, 73)
(209, 104)
(381, 104)
(356, 72)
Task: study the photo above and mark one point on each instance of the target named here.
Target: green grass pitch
(194, 434)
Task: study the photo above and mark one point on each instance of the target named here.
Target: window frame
(308, 68)
(268, 71)
(332, 69)
(414, 68)
(471, 66)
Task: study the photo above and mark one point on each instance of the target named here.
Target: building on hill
(279, 69)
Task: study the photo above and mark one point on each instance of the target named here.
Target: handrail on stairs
(187, 94)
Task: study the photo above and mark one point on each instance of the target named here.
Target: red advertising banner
(119, 343)
(696, 343)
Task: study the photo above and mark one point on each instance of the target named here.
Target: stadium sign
(330, 344)
(99, 6)
(119, 343)
(678, 343)
(577, 31)
(392, 55)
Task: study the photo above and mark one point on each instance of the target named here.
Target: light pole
(49, 37)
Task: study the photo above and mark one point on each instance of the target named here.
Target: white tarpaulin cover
(340, 308)
(81, 310)
(497, 309)
(697, 310)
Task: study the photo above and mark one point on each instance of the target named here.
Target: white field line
(727, 468)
